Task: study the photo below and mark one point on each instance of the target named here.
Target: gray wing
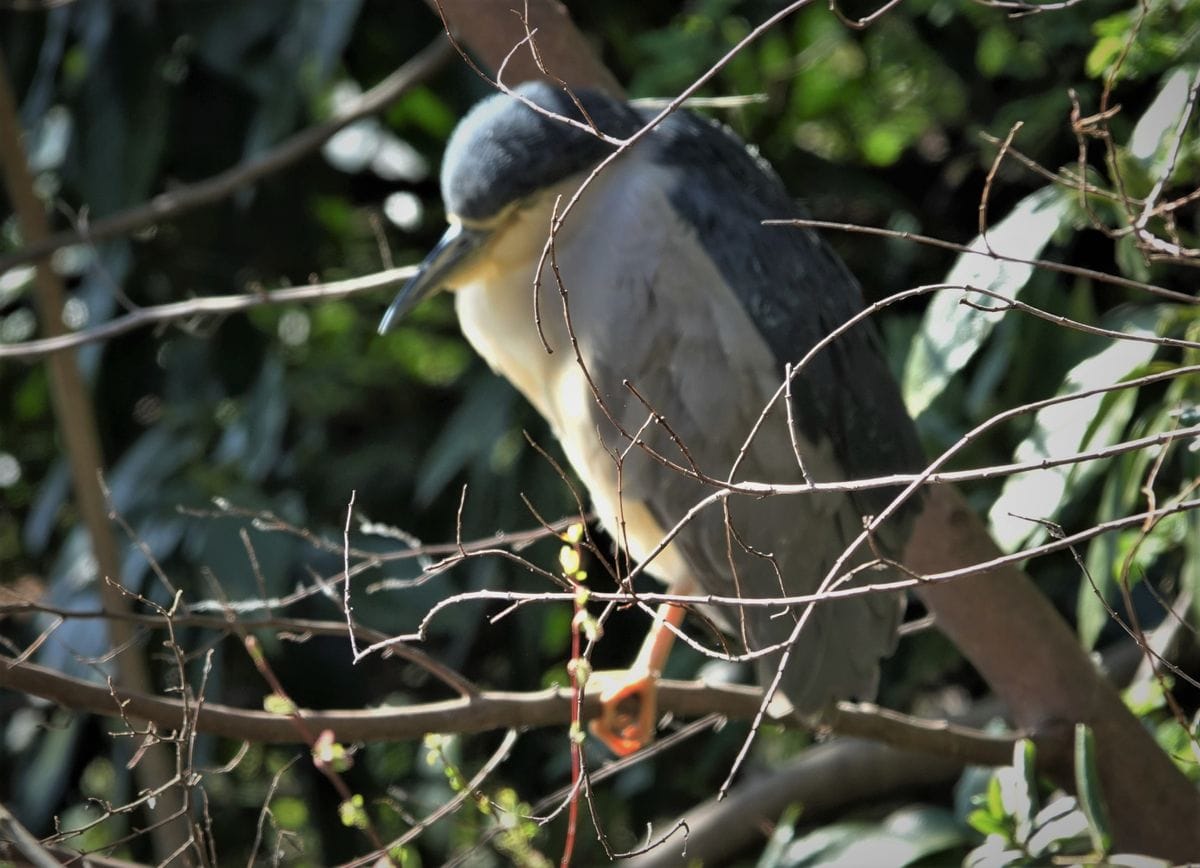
(704, 336)
(796, 291)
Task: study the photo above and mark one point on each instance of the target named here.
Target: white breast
(635, 293)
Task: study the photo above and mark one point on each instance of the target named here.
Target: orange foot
(628, 702)
(629, 698)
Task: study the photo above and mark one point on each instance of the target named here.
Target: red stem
(576, 747)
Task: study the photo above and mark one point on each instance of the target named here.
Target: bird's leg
(629, 698)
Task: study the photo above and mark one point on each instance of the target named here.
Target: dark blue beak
(455, 247)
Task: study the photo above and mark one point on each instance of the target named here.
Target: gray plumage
(675, 286)
(512, 154)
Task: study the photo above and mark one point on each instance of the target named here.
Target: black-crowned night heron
(676, 288)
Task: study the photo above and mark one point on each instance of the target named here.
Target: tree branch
(24, 842)
(214, 305)
(827, 778)
(492, 28)
(76, 421)
(1047, 264)
(823, 779)
(188, 197)
(491, 710)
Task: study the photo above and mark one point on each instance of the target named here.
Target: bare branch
(166, 206)
(1048, 265)
(215, 305)
(491, 710)
(23, 840)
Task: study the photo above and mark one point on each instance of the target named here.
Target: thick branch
(492, 710)
(493, 28)
(830, 777)
(823, 779)
(1032, 659)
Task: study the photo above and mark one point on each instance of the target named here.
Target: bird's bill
(455, 247)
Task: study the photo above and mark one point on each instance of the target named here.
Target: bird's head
(509, 154)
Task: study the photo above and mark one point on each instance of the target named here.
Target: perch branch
(491, 710)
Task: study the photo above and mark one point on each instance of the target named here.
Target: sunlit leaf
(1156, 129)
(1091, 796)
(952, 333)
(1146, 696)
(904, 837)
(1018, 789)
(1063, 429)
(1059, 827)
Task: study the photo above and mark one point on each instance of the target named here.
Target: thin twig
(188, 197)
(216, 305)
(1048, 265)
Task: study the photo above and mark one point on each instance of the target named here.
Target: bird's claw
(628, 705)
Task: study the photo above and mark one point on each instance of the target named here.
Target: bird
(652, 332)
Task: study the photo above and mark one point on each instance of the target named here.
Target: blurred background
(283, 411)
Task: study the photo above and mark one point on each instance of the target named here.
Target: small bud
(581, 670)
(353, 814)
(277, 704)
(568, 559)
(591, 628)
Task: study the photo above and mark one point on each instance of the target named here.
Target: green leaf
(884, 144)
(906, 836)
(1137, 551)
(1146, 696)
(986, 823)
(421, 108)
(1180, 744)
(1119, 495)
(995, 798)
(405, 857)
(995, 48)
(290, 812)
(1166, 38)
(433, 359)
(1018, 789)
(1073, 426)
(1087, 782)
(1059, 827)
(1154, 135)
(482, 418)
(951, 333)
(1106, 50)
